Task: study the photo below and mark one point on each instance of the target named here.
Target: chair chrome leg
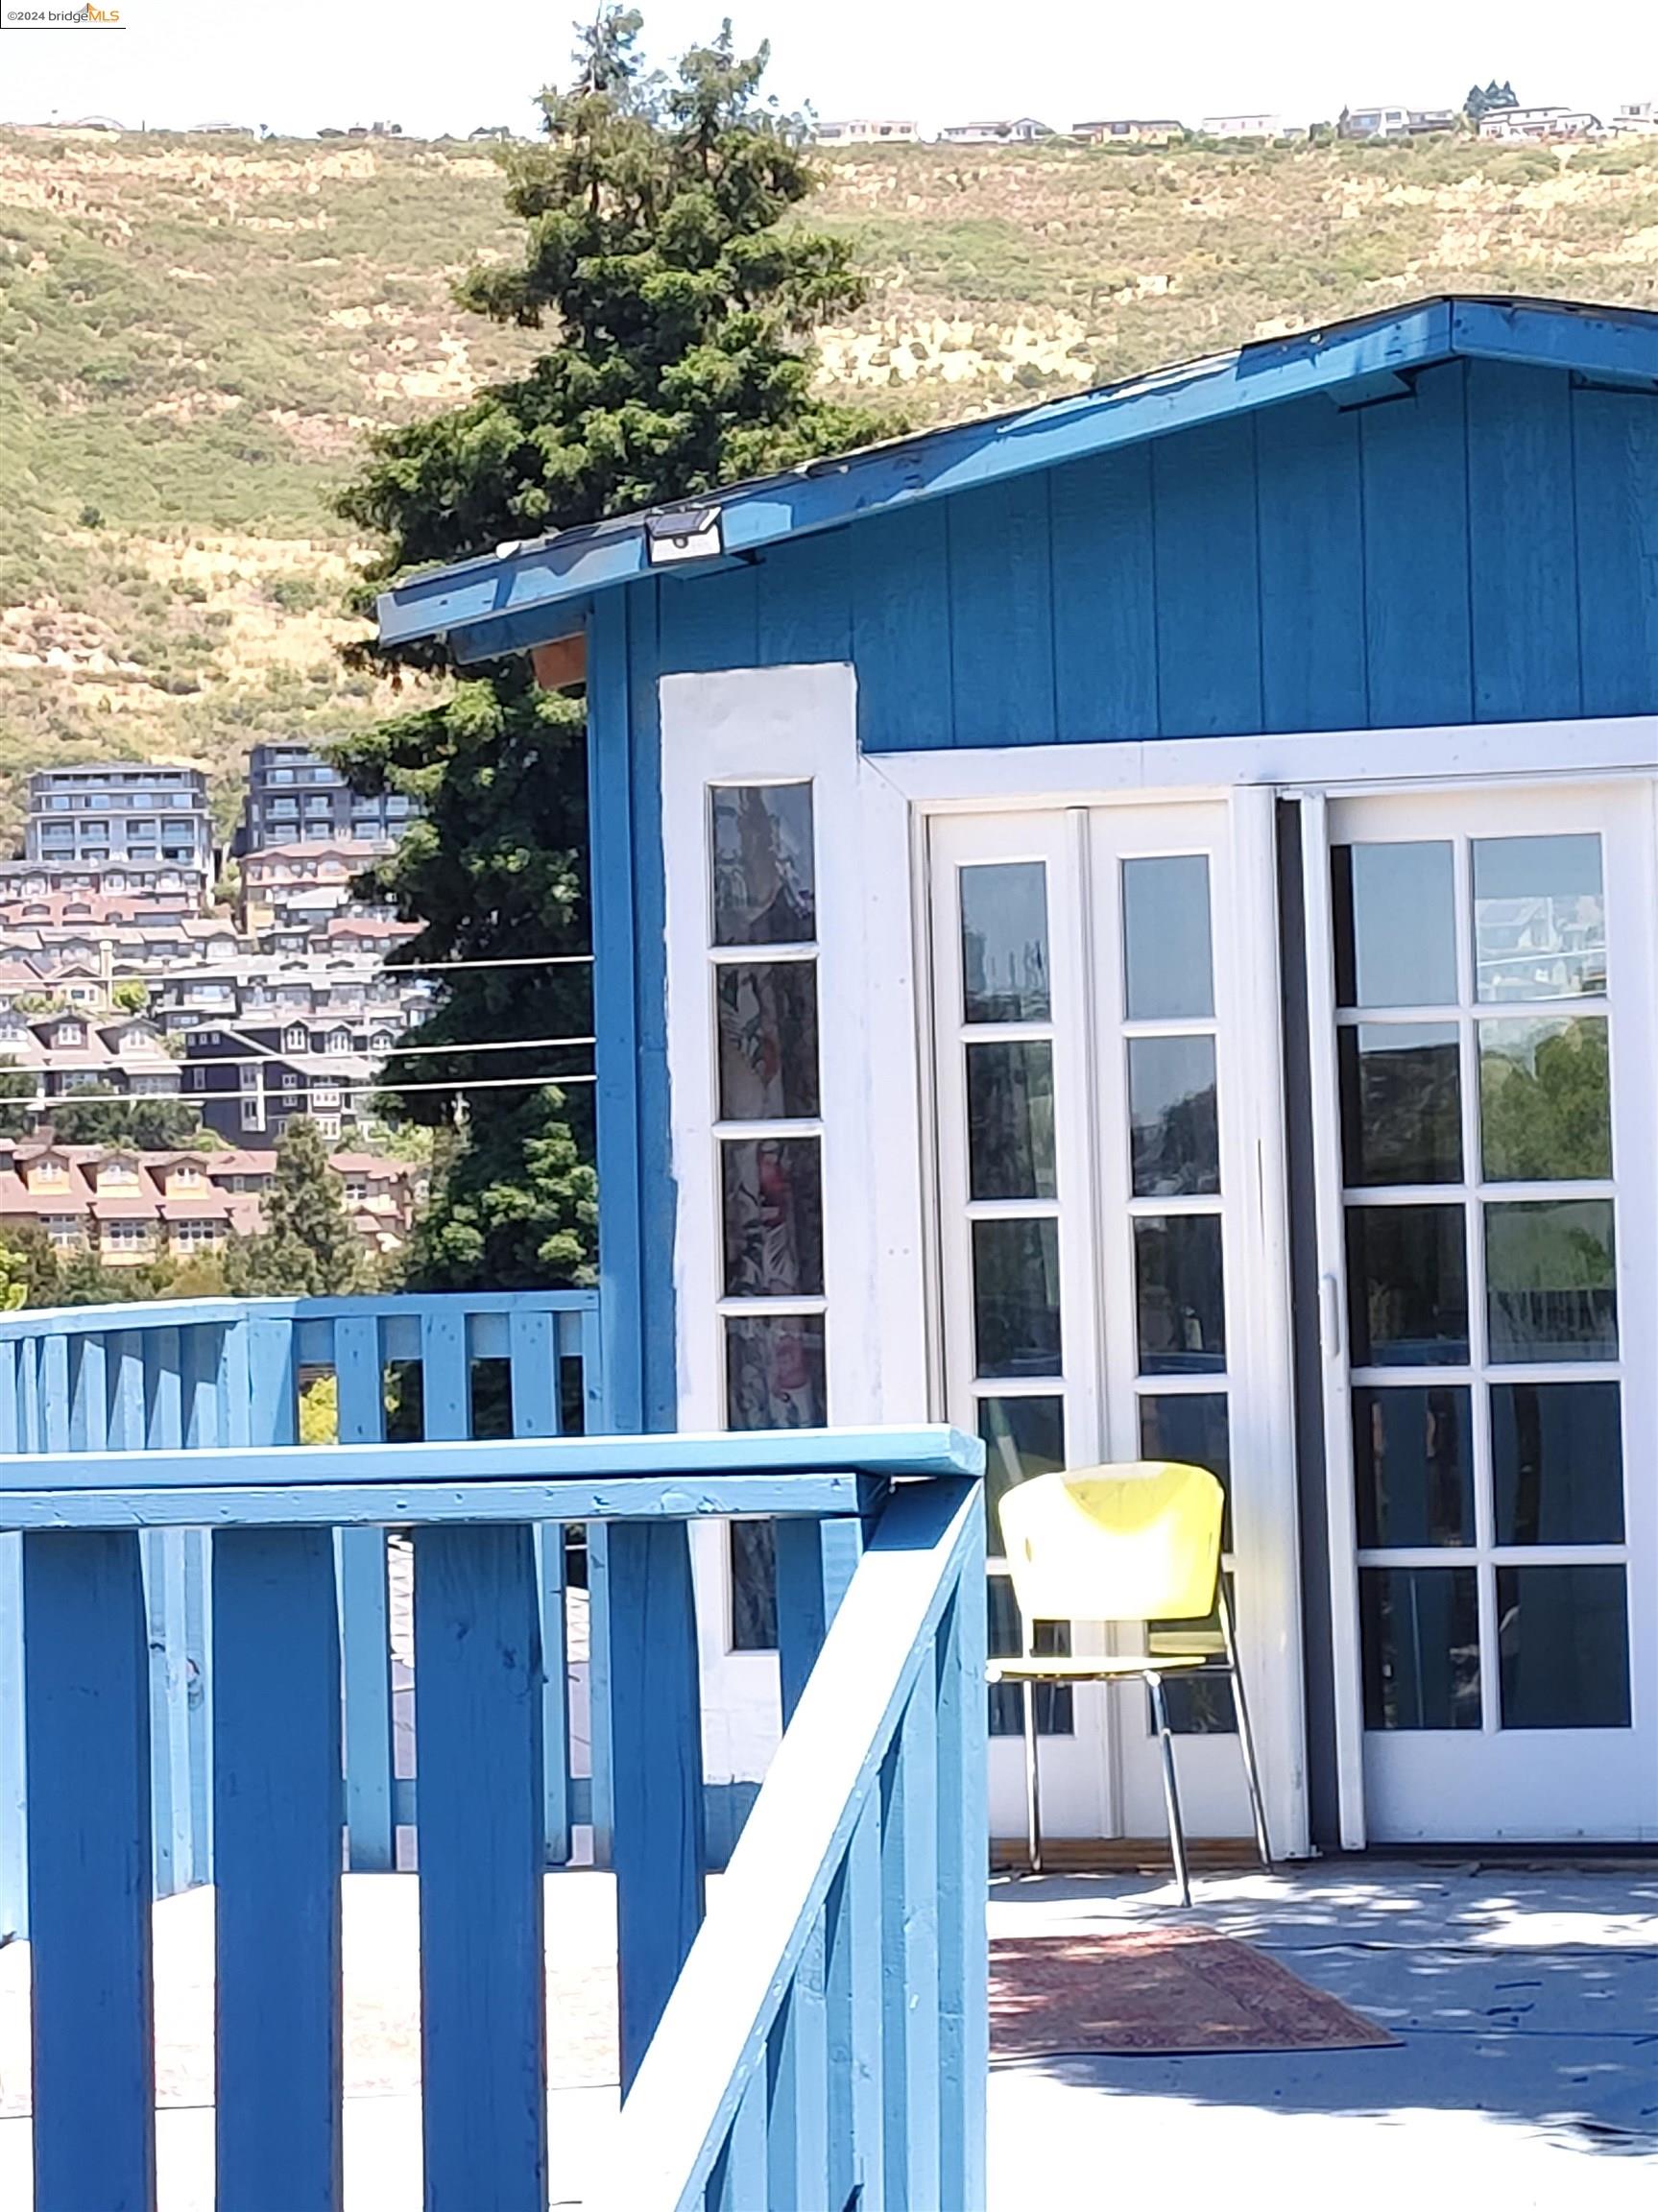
(1171, 1787)
(1032, 1800)
(1245, 1733)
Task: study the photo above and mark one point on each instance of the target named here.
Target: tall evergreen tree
(680, 309)
(308, 1248)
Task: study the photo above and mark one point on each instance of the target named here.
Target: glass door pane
(1013, 1204)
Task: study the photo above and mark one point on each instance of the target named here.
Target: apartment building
(132, 815)
(297, 797)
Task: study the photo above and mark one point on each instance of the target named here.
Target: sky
(436, 66)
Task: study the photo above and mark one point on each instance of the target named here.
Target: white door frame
(1633, 929)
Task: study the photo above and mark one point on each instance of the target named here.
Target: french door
(1110, 1228)
(1492, 1338)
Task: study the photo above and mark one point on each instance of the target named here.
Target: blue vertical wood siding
(1309, 520)
(1522, 541)
(1481, 544)
(1615, 473)
(1418, 636)
(901, 629)
(1209, 612)
(1001, 567)
(648, 1767)
(1104, 597)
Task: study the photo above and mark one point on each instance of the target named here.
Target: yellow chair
(1134, 1543)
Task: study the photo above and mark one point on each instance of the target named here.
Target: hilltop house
(1130, 130)
(1242, 127)
(1131, 925)
(868, 130)
(1380, 120)
(1010, 131)
(1539, 123)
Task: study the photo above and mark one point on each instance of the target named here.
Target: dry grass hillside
(194, 334)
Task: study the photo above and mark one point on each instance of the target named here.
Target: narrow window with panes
(764, 982)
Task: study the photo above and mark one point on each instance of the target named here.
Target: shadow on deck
(1526, 2074)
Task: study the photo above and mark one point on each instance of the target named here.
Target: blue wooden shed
(1129, 925)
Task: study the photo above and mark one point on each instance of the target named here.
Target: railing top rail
(797, 1471)
(25, 1326)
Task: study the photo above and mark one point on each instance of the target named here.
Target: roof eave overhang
(540, 593)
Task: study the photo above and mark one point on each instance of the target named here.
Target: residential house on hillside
(383, 1197)
(128, 1207)
(109, 887)
(1129, 130)
(1131, 925)
(868, 130)
(1246, 126)
(254, 984)
(252, 1079)
(363, 933)
(294, 888)
(73, 1052)
(1542, 123)
(1636, 119)
(131, 1207)
(1012, 130)
(1380, 120)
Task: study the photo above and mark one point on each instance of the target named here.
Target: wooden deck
(1550, 2104)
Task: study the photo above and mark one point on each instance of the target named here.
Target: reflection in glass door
(1094, 1164)
(1494, 1014)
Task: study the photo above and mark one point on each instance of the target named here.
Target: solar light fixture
(686, 534)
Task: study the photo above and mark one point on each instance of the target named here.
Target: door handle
(1330, 1316)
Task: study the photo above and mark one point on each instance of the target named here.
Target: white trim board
(1356, 760)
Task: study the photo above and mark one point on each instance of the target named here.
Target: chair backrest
(1134, 1542)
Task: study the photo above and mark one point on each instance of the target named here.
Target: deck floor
(1526, 2072)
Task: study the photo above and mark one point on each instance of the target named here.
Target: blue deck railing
(823, 2043)
(826, 2040)
(203, 1375)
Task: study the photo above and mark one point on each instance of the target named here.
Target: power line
(356, 1090)
(290, 961)
(303, 1053)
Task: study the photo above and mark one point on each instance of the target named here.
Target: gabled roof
(528, 594)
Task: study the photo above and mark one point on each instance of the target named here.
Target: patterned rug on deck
(1147, 1993)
